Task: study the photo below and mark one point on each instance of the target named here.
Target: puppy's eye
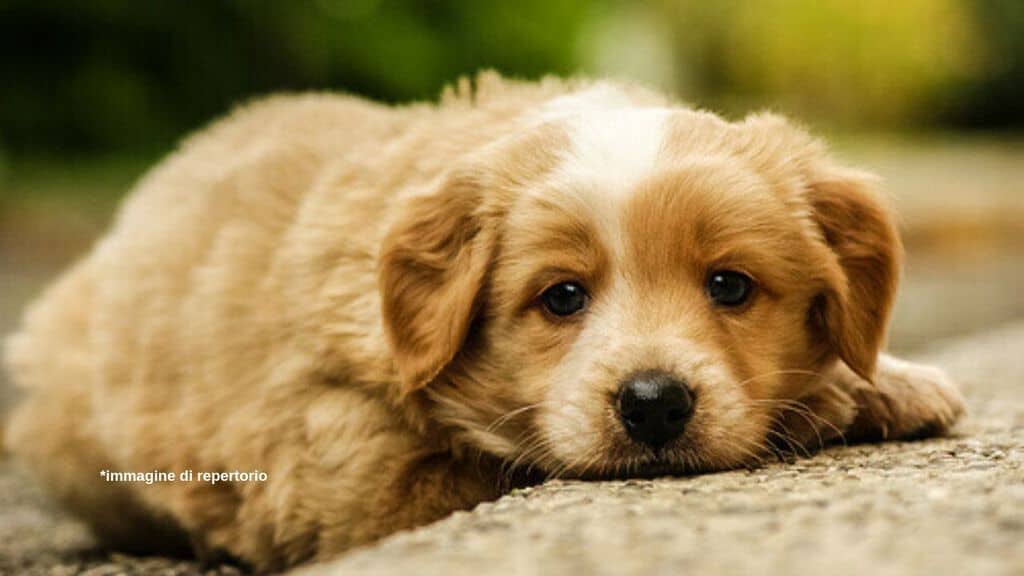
(728, 288)
(565, 299)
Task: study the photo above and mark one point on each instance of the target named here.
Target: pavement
(945, 506)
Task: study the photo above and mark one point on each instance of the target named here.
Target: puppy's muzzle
(654, 407)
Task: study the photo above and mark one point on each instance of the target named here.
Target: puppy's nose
(654, 407)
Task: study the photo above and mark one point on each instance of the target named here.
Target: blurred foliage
(997, 100)
(120, 76)
(867, 61)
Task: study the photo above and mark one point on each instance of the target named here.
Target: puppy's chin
(645, 464)
(696, 453)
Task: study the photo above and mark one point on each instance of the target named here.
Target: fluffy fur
(345, 295)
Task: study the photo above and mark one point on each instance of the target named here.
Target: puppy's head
(636, 290)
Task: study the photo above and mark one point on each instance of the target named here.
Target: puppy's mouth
(650, 427)
(651, 411)
(627, 460)
(647, 469)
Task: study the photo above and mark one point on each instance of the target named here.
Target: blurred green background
(929, 93)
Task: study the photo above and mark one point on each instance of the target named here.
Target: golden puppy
(396, 312)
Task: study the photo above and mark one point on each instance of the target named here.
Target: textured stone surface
(948, 506)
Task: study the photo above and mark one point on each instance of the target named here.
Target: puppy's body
(328, 290)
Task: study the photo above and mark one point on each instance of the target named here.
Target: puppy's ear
(860, 230)
(433, 265)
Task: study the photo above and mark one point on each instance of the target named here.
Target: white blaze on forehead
(597, 97)
(613, 149)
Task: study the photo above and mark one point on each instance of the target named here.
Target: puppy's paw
(906, 401)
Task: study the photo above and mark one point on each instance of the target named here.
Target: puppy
(400, 312)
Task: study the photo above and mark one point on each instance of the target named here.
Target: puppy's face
(636, 291)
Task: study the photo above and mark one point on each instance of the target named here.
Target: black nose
(654, 407)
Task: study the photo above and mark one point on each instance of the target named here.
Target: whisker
(501, 420)
(805, 411)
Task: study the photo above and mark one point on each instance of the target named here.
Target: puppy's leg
(905, 401)
(50, 434)
(417, 492)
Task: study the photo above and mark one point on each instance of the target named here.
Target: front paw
(906, 401)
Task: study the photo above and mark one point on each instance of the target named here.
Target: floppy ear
(861, 232)
(432, 269)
